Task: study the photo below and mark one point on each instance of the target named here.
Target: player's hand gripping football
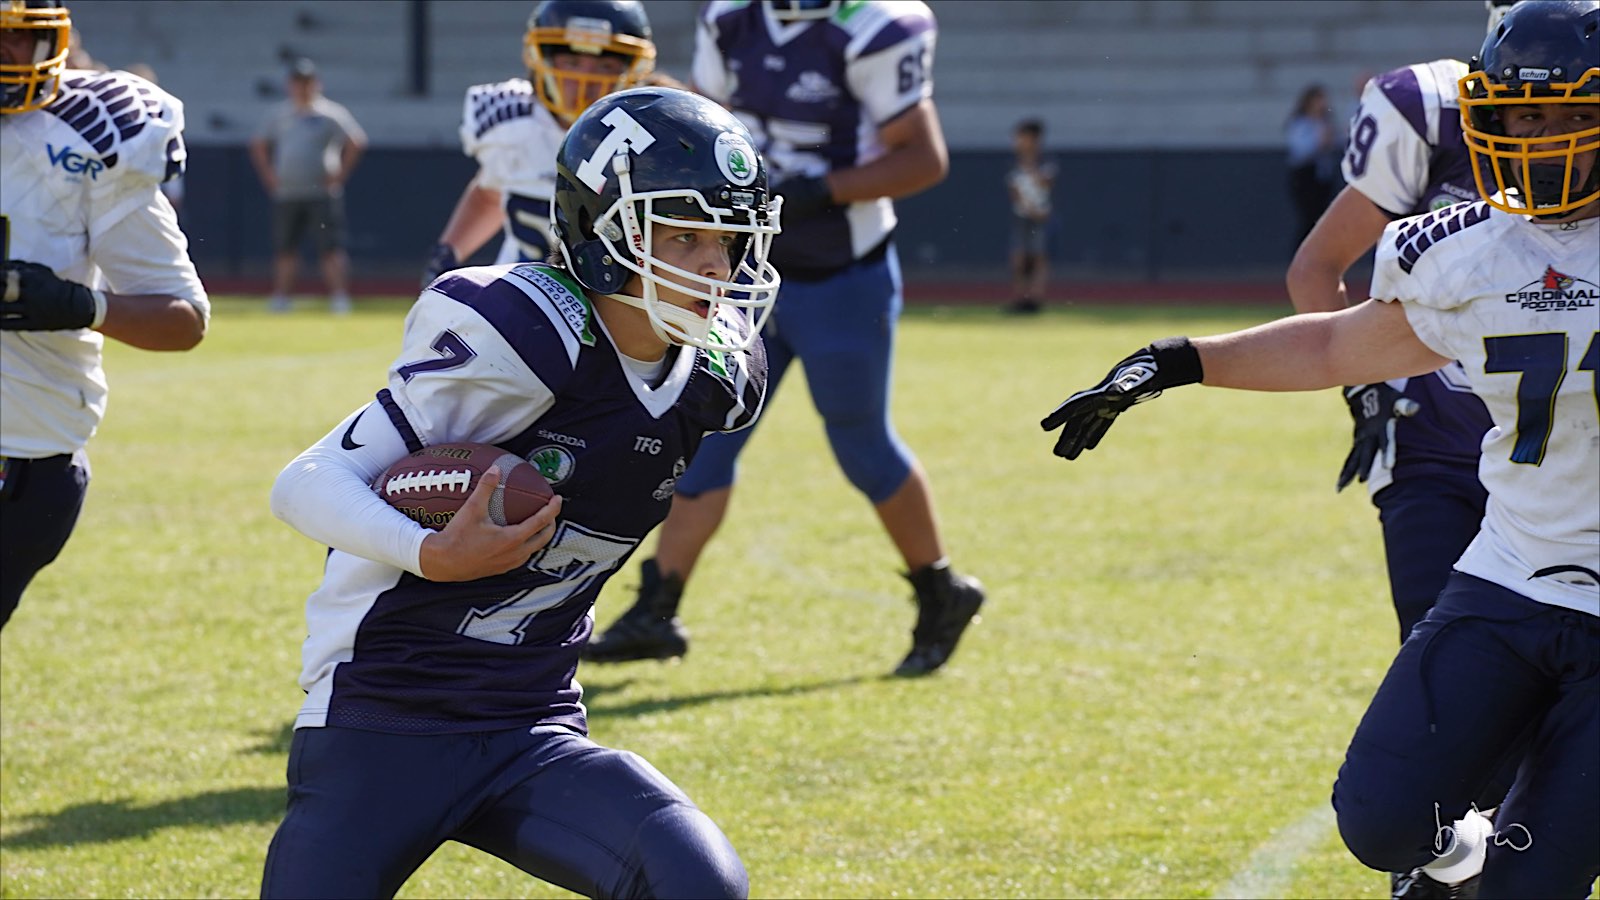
(472, 546)
(1087, 415)
(36, 299)
(1375, 408)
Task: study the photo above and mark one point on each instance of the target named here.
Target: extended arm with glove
(1088, 414)
(34, 298)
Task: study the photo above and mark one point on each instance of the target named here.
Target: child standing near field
(1029, 183)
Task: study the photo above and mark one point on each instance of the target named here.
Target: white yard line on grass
(1270, 869)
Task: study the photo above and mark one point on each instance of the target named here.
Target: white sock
(1463, 858)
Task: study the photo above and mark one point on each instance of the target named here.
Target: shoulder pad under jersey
(1417, 235)
(488, 105)
(134, 127)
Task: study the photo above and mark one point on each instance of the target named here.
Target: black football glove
(1167, 363)
(36, 299)
(442, 260)
(803, 196)
(1375, 408)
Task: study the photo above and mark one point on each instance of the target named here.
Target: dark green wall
(1119, 215)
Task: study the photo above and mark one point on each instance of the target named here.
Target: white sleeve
(326, 493)
(892, 80)
(145, 252)
(353, 132)
(457, 378)
(708, 72)
(1386, 159)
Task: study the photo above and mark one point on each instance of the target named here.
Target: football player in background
(91, 248)
(1416, 439)
(439, 667)
(577, 51)
(840, 99)
(1507, 661)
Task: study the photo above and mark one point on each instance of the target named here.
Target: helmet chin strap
(670, 323)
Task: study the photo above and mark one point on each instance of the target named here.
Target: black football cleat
(1417, 885)
(649, 629)
(946, 604)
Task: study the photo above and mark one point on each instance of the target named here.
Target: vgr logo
(626, 132)
(74, 162)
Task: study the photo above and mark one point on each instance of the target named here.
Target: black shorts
(39, 504)
(1028, 236)
(320, 217)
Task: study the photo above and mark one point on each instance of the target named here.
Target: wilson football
(432, 484)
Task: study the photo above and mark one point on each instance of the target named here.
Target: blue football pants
(39, 504)
(367, 808)
(842, 330)
(1487, 676)
(1428, 521)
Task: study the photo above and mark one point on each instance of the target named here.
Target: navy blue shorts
(1487, 676)
(367, 808)
(39, 504)
(1428, 521)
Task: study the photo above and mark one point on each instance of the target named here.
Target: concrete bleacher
(1101, 73)
(226, 59)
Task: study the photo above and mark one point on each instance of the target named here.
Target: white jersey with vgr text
(82, 195)
(1518, 303)
(515, 138)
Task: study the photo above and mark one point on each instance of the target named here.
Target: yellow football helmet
(612, 30)
(29, 85)
(1543, 51)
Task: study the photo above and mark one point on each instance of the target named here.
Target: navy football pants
(842, 330)
(367, 808)
(39, 504)
(1487, 676)
(1428, 521)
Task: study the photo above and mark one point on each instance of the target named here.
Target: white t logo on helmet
(626, 132)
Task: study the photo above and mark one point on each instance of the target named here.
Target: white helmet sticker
(626, 134)
(736, 158)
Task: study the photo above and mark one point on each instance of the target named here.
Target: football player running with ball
(439, 671)
(1510, 652)
(91, 248)
(576, 51)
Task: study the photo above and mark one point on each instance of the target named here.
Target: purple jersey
(814, 94)
(514, 356)
(1407, 156)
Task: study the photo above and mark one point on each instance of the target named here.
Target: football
(430, 485)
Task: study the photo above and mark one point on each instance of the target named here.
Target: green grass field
(1183, 628)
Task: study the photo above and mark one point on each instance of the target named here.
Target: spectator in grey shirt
(304, 152)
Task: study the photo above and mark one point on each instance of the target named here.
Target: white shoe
(278, 304)
(341, 305)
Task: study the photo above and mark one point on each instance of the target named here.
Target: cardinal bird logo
(1556, 281)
